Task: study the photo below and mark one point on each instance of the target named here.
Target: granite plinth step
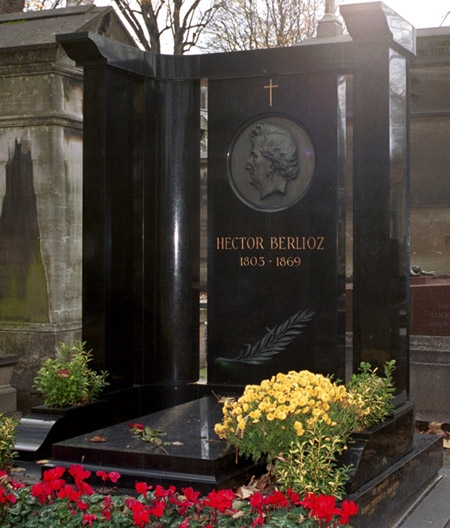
(377, 449)
(38, 430)
(200, 459)
(388, 498)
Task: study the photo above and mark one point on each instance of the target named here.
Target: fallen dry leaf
(223, 399)
(98, 438)
(244, 492)
(435, 428)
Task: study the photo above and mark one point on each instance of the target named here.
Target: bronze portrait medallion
(271, 163)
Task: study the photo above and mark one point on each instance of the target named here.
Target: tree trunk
(11, 6)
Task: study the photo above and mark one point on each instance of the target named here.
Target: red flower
(106, 508)
(129, 502)
(85, 488)
(221, 500)
(190, 494)
(309, 501)
(142, 488)
(54, 473)
(325, 508)
(293, 496)
(137, 426)
(259, 521)
(158, 508)
(141, 513)
(41, 491)
(7, 497)
(11, 498)
(257, 502)
(113, 476)
(15, 485)
(161, 492)
(55, 485)
(88, 518)
(69, 492)
(348, 509)
(277, 499)
(82, 505)
(189, 498)
(78, 472)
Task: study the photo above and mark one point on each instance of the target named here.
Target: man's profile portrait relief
(273, 160)
(271, 163)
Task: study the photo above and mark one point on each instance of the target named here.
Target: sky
(419, 13)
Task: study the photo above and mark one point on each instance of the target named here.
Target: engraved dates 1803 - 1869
(271, 163)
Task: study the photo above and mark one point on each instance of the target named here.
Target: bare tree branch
(38, 5)
(252, 24)
(182, 19)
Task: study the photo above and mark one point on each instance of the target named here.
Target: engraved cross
(271, 86)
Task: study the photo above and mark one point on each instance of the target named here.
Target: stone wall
(40, 209)
(41, 143)
(11, 6)
(430, 377)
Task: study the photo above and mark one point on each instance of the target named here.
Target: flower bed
(301, 423)
(72, 502)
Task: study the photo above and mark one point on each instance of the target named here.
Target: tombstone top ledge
(374, 21)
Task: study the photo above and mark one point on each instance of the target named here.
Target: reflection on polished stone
(202, 459)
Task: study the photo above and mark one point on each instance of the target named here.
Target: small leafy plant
(301, 422)
(372, 394)
(67, 380)
(7, 440)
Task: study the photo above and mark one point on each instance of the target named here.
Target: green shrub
(67, 379)
(372, 394)
(7, 439)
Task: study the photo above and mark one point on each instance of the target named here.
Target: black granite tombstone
(276, 292)
(273, 281)
(276, 248)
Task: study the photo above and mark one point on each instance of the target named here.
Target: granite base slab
(37, 431)
(387, 499)
(372, 451)
(199, 458)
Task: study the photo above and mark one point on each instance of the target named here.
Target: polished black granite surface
(374, 451)
(384, 500)
(38, 430)
(202, 459)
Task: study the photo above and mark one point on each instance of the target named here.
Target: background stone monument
(41, 128)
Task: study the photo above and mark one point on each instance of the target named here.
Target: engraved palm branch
(274, 341)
